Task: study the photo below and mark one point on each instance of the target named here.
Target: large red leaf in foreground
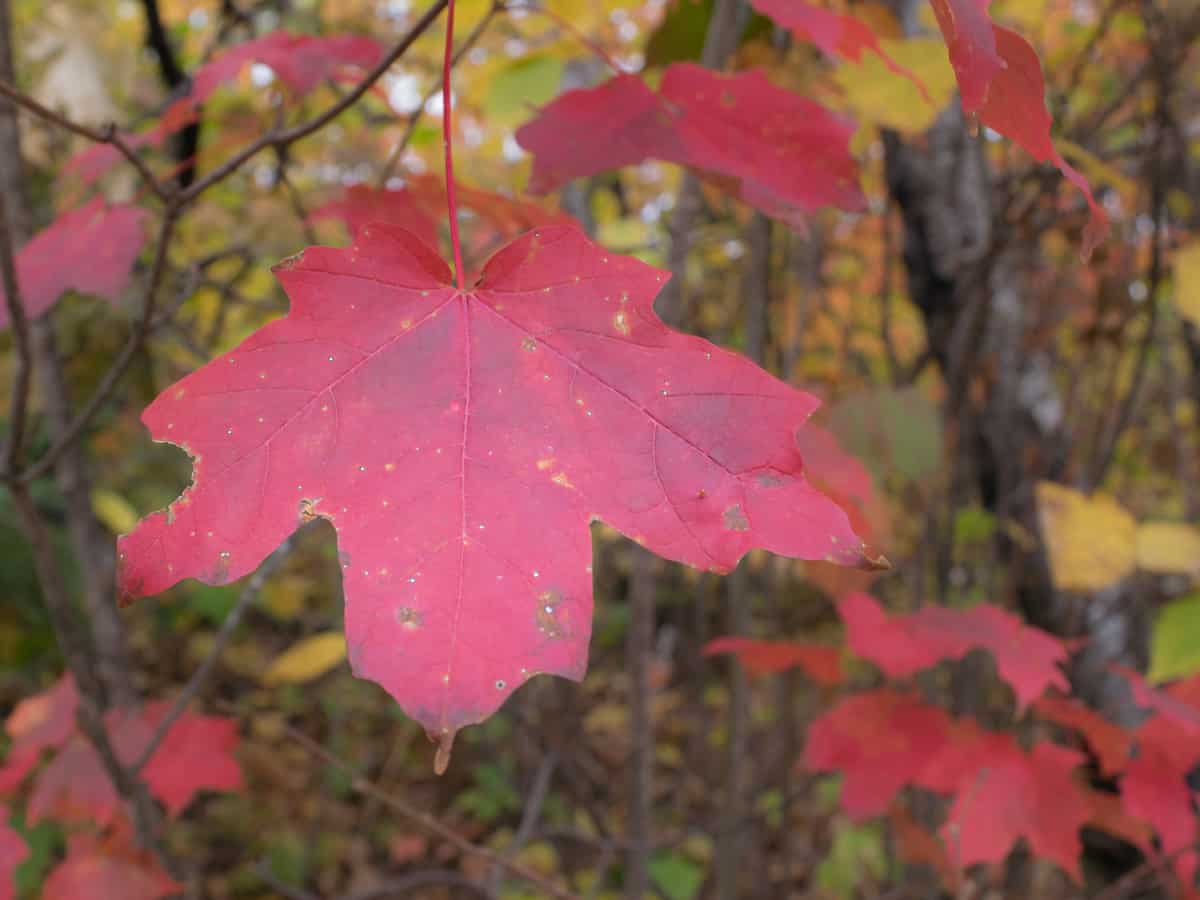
(785, 154)
(1027, 658)
(461, 441)
(90, 249)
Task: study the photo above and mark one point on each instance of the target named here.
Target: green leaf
(676, 876)
(1175, 642)
(858, 854)
(531, 81)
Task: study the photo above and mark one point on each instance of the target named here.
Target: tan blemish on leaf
(289, 262)
(562, 480)
(735, 519)
(621, 323)
(308, 509)
(528, 344)
(547, 622)
(544, 464)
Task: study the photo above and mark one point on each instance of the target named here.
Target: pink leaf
(1110, 742)
(782, 153)
(1027, 658)
(38, 723)
(967, 28)
(90, 249)
(106, 871)
(461, 442)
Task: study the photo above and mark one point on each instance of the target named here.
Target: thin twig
(364, 787)
(529, 817)
(20, 329)
(106, 135)
(249, 593)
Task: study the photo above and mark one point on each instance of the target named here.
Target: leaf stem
(448, 144)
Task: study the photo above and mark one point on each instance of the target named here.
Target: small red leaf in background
(90, 249)
(13, 852)
(1155, 789)
(1110, 742)
(1013, 793)
(820, 663)
(1179, 703)
(967, 28)
(300, 61)
(461, 442)
(37, 723)
(837, 34)
(785, 154)
(1027, 658)
(73, 787)
(361, 204)
(196, 754)
(1016, 107)
(108, 869)
(879, 741)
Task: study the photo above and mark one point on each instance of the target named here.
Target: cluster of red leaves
(197, 753)
(1000, 791)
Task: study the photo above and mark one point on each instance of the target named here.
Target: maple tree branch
(23, 378)
(361, 785)
(284, 137)
(106, 135)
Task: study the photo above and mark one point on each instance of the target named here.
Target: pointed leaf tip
(445, 742)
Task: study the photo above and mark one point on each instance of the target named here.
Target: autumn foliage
(466, 387)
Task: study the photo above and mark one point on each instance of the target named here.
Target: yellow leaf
(1090, 540)
(1170, 547)
(114, 511)
(306, 659)
(1187, 282)
(878, 96)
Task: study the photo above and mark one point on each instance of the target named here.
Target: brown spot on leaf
(308, 509)
(544, 464)
(735, 519)
(409, 618)
(528, 344)
(621, 322)
(562, 480)
(546, 618)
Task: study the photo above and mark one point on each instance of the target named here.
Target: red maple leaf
(95, 160)
(820, 663)
(460, 442)
(880, 741)
(90, 249)
(837, 34)
(785, 154)
(1155, 789)
(13, 852)
(110, 869)
(41, 722)
(1009, 793)
(361, 204)
(1110, 742)
(300, 61)
(1027, 658)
